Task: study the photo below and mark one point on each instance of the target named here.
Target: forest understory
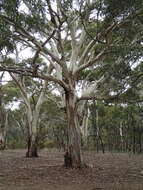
(109, 171)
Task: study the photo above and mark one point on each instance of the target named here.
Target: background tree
(33, 105)
(51, 125)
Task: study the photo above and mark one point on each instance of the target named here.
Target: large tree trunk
(32, 146)
(73, 156)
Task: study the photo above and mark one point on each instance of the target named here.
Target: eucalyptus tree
(33, 97)
(74, 37)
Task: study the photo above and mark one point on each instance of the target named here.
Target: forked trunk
(73, 156)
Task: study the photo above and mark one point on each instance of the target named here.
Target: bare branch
(22, 89)
(38, 51)
(90, 63)
(94, 41)
(32, 39)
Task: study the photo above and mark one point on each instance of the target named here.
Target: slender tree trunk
(102, 144)
(2, 144)
(97, 144)
(73, 156)
(32, 141)
(3, 128)
(121, 136)
(98, 132)
(84, 126)
(134, 139)
(140, 141)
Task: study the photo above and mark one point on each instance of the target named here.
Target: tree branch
(38, 51)
(28, 72)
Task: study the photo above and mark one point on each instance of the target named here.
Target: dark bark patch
(67, 160)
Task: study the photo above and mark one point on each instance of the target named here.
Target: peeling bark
(74, 135)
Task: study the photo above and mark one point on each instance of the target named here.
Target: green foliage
(6, 37)
(11, 92)
(119, 9)
(10, 7)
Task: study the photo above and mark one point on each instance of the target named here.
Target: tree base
(31, 154)
(67, 160)
(68, 163)
(82, 166)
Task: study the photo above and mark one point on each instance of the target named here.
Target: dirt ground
(107, 171)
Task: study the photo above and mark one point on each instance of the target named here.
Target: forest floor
(109, 171)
